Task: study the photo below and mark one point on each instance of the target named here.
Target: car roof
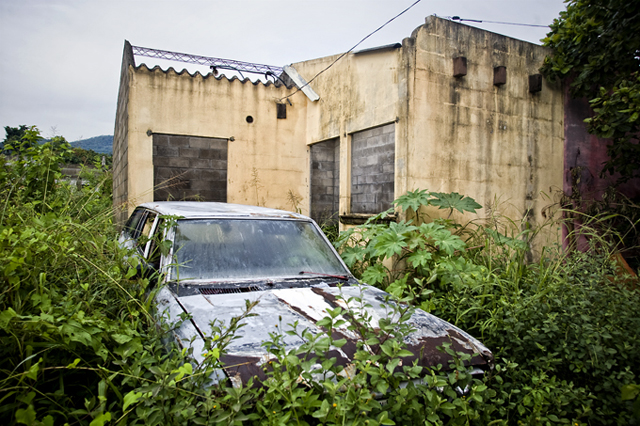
(196, 209)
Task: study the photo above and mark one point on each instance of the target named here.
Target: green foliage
(306, 386)
(564, 329)
(331, 229)
(595, 47)
(389, 255)
(88, 157)
(32, 174)
(561, 317)
(413, 201)
(614, 220)
(14, 133)
(79, 343)
(632, 393)
(60, 281)
(617, 116)
(20, 139)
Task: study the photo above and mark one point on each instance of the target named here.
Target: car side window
(145, 231)
(154, 251)
(132, 227)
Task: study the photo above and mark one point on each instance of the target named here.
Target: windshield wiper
(340, 277)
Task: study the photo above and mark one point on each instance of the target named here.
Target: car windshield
(223, 249)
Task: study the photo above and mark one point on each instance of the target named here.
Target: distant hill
(100, 144)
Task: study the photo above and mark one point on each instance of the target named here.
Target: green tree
(16, 139)
(596, 47)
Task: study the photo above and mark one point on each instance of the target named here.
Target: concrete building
(451, 109)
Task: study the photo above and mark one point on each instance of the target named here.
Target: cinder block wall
(189, 168)
(121, 139)
(372, 169)
(325, 179)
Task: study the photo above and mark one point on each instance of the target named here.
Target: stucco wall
(267, 156)
(469, 136)
(357, 93)
(451, 134)
(501, 145)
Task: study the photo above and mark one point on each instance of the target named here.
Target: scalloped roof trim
(206, 76)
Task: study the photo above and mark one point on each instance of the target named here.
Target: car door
(132, 228)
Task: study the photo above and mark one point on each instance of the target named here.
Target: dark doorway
(325, 181)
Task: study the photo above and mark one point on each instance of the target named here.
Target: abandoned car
(217, 255)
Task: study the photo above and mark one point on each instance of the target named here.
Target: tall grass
(63, 300)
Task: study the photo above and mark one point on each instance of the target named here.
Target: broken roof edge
(301, 83)
(433, 19)
(392, 46)
(127, 55)
(216, 64)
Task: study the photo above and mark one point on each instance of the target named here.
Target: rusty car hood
(278, 308)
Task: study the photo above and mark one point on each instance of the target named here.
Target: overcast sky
(60, 60)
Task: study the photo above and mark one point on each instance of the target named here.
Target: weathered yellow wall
(452, 134)
(266, 159)
(468, 136)
(358, 92)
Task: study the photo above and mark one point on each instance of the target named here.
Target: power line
(452, 18)
(350, 50)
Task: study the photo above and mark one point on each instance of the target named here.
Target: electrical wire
(350, 50)
(451, 18)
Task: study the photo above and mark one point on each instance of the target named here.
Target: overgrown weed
(564, 327)
(79, 344)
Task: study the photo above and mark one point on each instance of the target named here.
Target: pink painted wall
(588, 152)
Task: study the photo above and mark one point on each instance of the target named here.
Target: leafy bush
(62, 307)
(79, 343)
(564, 329)
(88, 157)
